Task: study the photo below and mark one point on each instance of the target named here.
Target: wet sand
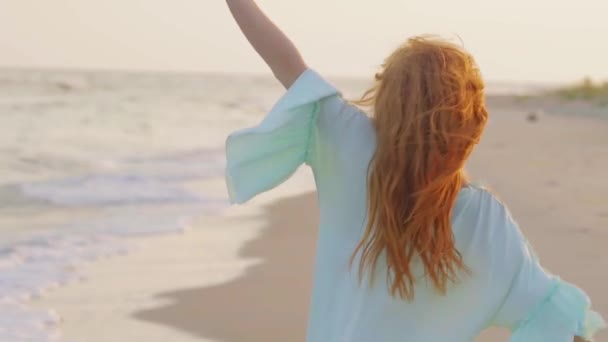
(270, 301)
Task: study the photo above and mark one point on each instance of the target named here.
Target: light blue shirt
(507, 286)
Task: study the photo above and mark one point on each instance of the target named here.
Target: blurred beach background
(114, 218)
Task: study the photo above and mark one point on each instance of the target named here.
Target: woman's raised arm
(268, 40)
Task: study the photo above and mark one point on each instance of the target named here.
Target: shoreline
(270, 300)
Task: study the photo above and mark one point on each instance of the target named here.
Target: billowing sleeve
(538, 306)
(261, 157)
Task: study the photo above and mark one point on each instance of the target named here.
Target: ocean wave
(131, 197)
(133, 180)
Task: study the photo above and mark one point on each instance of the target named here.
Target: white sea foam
(136, 181)
(18, 323)
(33, 267)
(108, 190)
(135, 197)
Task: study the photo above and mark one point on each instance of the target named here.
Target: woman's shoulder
(480, 193)
(479, 212)
(471, 194)
(341, 121)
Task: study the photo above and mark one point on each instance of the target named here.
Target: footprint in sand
(582, 230)
(552, 183)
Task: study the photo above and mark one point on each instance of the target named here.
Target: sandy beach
(245, 275)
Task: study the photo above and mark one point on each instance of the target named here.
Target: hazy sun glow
(541, 40)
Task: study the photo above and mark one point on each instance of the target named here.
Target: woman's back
(343, 309)
(504, 284)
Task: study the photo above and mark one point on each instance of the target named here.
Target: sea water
(91, 160)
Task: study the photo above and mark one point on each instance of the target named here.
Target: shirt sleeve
(261, 157)
(538, 306)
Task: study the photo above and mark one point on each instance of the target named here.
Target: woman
(408, 249)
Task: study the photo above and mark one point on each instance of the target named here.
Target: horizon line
(337, 76)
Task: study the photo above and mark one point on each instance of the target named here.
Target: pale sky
(512, 40)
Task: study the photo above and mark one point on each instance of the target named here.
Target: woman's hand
(268, 40)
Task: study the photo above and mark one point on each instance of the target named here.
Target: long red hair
(429, 113)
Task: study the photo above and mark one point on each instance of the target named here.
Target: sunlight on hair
(428, 109)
